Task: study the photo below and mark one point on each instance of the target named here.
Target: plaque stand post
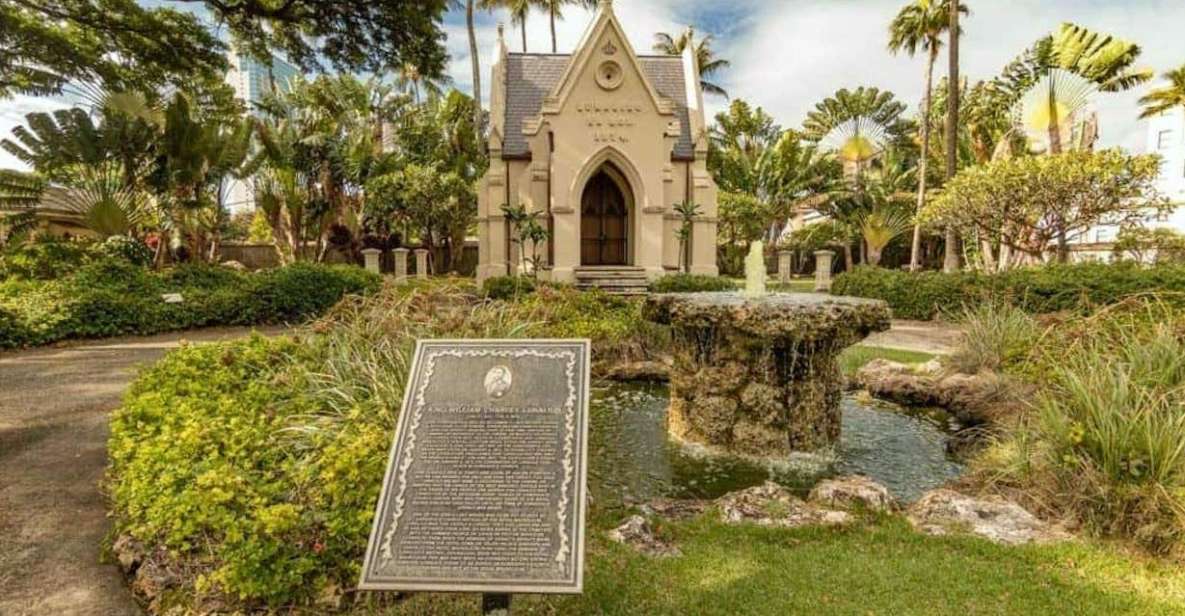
(495, 605)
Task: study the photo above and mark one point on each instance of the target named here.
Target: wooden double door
(604, 223)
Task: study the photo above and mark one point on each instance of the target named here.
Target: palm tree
(1167, 97)
(519, 11)
(1099, 58)
(950, 261)
(555, 10)
(705, 58)
(919, 26)
(857, 126)
(871, 104)
(474, 61)
(89, 162)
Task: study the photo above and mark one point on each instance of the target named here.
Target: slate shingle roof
(531, 77)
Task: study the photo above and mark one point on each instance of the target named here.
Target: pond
(631, 458)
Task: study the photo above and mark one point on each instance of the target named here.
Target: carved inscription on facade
(485, 486)
(607, 119)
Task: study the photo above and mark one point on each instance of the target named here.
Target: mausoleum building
(600, 146)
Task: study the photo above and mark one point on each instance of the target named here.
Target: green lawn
(798, 285)
(854, 358)
(804, 285)
(875, 567)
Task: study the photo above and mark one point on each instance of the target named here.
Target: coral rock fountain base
(759, 376)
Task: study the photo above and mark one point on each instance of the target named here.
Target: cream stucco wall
(586, 123)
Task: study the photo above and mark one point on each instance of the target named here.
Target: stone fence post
(421, 263)
(823, 270)
(785, 262)
(401, 264)
(371, 256)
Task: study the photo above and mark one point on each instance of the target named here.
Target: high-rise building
(253, 80)
(1166, 137)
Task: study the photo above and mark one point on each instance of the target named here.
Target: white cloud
(799, 53)
(788, 54)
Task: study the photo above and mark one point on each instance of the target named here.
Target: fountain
(757, 374)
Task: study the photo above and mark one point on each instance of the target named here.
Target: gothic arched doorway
(604, 219)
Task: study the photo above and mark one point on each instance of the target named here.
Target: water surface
(631, 459)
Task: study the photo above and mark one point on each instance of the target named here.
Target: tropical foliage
(1018, 208)
(919, 26)
(764, 174)
(1169, 96)
(706, 59)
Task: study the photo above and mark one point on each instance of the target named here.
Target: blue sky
(788, 54)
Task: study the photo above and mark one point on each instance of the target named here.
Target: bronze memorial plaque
(485, 486)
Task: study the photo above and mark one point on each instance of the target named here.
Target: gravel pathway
(54, 405)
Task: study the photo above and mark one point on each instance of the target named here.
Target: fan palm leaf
(1169, 96)
(705, 57)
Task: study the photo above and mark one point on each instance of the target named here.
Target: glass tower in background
(252, 80)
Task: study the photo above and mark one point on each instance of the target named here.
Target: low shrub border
(113, 297)
(691, 283)
(1053, 288)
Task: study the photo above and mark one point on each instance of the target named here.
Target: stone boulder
(674, 509)
(972, 398)
(853, 491)
(234, 265)
(637, 533)
(773, 505)
(942, 512)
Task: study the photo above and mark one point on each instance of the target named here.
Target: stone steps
(615, 280)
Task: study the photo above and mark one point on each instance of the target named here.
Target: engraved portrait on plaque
(485, 484)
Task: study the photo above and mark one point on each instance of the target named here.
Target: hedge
(112, 297)
(691, 283)
(1053, 288)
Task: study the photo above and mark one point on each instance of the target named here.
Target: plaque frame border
(579, 500)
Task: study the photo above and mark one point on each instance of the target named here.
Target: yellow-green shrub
(257, 464)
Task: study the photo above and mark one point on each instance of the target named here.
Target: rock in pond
(773, 505)
(637, 533)
(942, 512)
(853, 491)
(972, 398)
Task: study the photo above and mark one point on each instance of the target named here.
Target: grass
(772, 285)
(877, 567)
(803, 285)
(997, 337)
(855, 357)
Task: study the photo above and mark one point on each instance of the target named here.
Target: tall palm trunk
(475, 62)
(950, 262)
(915, 253)
(523, 29)
(1055, 148)
(553, 45)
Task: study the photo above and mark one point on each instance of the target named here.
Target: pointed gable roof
(536, 81)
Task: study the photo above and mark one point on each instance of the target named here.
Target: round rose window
(609, 75)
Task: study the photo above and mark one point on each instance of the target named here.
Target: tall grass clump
(1105, 443)
(996, 336)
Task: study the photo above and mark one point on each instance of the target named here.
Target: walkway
(924, 336)
(54, 405)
